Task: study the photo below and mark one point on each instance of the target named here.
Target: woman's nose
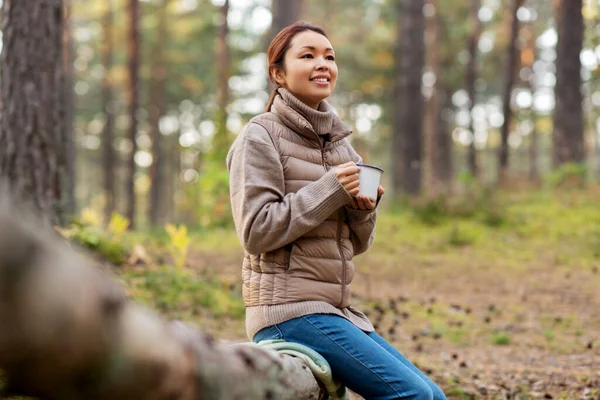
(321, 64)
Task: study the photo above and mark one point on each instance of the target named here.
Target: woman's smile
(321, 80)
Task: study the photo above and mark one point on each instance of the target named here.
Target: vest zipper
(338, 237)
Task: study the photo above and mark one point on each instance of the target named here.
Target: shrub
(501, 339)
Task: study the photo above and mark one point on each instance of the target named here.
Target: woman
(297, 212)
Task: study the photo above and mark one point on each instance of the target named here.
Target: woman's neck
(320, 118)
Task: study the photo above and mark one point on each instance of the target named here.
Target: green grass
(501, 339)
(183, 294)
(565, 228)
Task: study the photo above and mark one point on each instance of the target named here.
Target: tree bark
(567, 137)
(471, 77)
(68, 107)
(509, 73)
(432, 183)
(222, 49)
(157, 110)
(527, 59)
(133, 66)
(444, 165)
(31, 90)
(444, 168)
(285, 12)
(68, 333)
(176, 183)
(108, 151)
(407, 137)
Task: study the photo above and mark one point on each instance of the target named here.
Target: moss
(182, 294)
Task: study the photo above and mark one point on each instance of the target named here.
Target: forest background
(485, 115)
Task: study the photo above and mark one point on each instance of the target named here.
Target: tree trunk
(157, 110)
(534, 146)
(133, 65)
(221, 137)
(177, 182)
(527, 60)
(31, 90)
(432, 183)
(567, 137)
(510, 70)
(407, 137)
(68, 333)
(285, 12)
(68, 107)
(444, 165)
(108, 151)
(444, 168)
(472, 72)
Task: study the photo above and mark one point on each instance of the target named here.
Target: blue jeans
(363, 361)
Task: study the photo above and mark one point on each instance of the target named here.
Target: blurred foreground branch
(68, 332)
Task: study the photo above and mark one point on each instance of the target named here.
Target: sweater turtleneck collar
(306, 120)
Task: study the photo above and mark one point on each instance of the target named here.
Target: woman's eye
(307, 56)
(331, 58)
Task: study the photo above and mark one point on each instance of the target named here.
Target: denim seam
(279, 332)
(359, 361)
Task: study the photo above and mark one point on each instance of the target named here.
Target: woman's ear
(278, 76)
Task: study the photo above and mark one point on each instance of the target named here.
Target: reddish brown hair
(280, 45)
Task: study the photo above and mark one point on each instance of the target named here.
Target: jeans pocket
(268, 333)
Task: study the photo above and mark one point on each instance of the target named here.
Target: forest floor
(495, 296)
(496, 300)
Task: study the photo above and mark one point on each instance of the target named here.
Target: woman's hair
(280, 45)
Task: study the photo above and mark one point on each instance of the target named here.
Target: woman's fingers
(353, 188)
(365, 203)
(347, 175)
(346, 170)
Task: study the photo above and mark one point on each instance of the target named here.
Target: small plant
(117, 226)
(181, 293)
(460, 393)
(460, 237)
(212, 187)
(568, 175)
(179, 243)
(494, 213)
(87, 231)
(431, 211)
(90, 217)
(501, 339)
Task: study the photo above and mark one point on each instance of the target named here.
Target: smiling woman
(302, 60)
(294, 189)
(310, 70)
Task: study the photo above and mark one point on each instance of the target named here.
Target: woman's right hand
(347, 175)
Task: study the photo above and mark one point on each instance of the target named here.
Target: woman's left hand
(365, 203)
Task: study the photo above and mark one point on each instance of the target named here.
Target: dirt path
(521, 335)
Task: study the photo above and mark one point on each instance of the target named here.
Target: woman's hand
(347, 175)
(366, 203)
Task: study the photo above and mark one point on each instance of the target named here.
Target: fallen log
(68, 332)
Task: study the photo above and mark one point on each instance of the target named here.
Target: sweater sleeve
(265, 217)
(361, 222)
(362, 228)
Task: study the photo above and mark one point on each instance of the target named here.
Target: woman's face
(310, 69)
